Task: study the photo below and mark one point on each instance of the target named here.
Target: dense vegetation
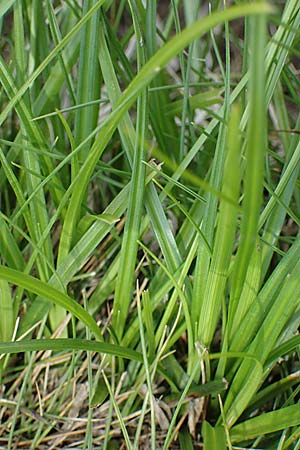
(150, 204)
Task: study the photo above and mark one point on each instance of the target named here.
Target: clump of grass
(149, 276)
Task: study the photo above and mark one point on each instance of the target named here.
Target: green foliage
(161, 296)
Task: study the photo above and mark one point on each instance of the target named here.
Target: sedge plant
(149, 276)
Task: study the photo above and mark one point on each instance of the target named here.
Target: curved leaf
(53, 295)
(69, 344)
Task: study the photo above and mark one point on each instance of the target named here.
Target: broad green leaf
(269, 422)
(287, 347)
(214, 437)
(274, 391)
(100, 393)
(185, 440)
(225, 235)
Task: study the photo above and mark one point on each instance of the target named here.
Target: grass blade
(255, 156)
(225, 235)
(266, 423)
(44, 290)
(67, 345)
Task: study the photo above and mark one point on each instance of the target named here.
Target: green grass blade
(254, 318)
(197, 101)
(142, 80)
(274, 391)
(249, 291)
(275, 320)
(56, 35)
(214, 437)
(67, 345)
(135, 203)
(149, 324)
(153, 205)
(5, 5)
(225, 235)
(19, 43)
(214, 272)
(6, 312)
(163, 127)
(170, 433)
(78, 256)
(181, 296)
(33, 132)
(51, 294)
(149, 376)
(255, 155)
(56, 78)
(88, 85)
(48, 59)
(162, 229)
(9, 248)
(185, 440)
(171, 306)
(266, 423)
(118, 414)
(210, 215)
(287, 347)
